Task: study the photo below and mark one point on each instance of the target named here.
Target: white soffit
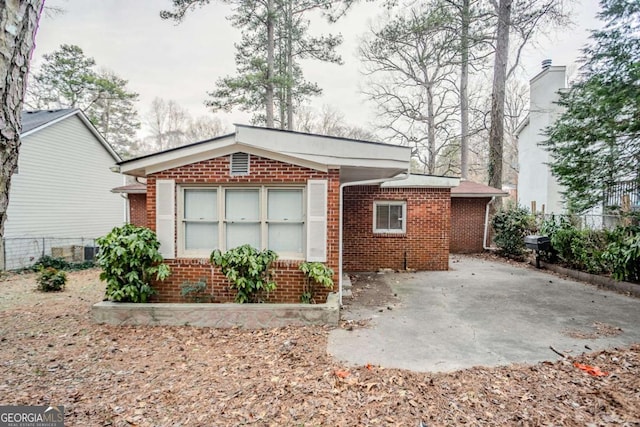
(423, 181)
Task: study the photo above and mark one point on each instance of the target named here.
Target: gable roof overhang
(357, 160)
(470, 189)
(35, 121)
(423, 181)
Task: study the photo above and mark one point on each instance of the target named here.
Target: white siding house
(62, 186)
(535, 181)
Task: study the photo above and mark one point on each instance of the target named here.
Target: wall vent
(240, 164)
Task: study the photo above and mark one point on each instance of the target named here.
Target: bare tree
(411, 63)
(172, 126)
(330, 121)
(19, 23)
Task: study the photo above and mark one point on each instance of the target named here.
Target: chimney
(546, 64)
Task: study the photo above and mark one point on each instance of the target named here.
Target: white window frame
(222, 220)
(182, 221)
(403, 219)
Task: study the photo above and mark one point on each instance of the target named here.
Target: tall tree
(330, 121)
(411, 61)
(68, 79)
(521, 19)
(274, 39)
(18, 23)
(595, 143)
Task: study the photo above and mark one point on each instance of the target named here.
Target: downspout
(486, 224)
(400, 177)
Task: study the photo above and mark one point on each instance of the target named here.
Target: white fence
(21, 252)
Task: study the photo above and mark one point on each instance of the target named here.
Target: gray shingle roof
(35, 119)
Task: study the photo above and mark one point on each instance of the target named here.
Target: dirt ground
(51, 353)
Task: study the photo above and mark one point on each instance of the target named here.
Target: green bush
(47, 261)
(511, 224)
(623, 253)
(248, 271)
(51, 280)
(129, 259)
(316, 273)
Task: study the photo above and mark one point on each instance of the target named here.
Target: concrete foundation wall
(246, 316)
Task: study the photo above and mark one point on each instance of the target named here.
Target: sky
(182, 62)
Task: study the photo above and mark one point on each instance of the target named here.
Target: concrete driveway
(485, 313)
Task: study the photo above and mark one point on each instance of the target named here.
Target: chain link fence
(21, 252)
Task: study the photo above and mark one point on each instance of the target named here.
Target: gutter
(486, 224)
(400, 177)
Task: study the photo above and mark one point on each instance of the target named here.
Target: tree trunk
(464, 92)
(289, 85)
(19, 22)
(431, 132)
(270, 50)
(496, 134)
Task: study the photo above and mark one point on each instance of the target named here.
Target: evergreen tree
(68, 79)
(595, 143)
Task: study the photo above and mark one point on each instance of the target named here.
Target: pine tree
(595, 143)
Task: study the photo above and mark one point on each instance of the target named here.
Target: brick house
(343, 202)
(470, 228)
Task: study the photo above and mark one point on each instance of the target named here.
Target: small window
(389, 217)
(239, 164)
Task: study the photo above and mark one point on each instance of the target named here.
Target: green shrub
(129, 259)
(47, 261)
(511, 224)
(248, 271)
(316, 273)
(51, 280)
(623, 253)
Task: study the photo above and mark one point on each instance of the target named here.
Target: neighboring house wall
(263, 171)
(535, 181)
(138, 209)
(424, 245)
(62, 188)
(467, 224)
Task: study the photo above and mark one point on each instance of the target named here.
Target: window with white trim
(227, 217)
(389, 216)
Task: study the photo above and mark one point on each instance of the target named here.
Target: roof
(356, 159)
(37, 120)
(136, 188)
(474, 189)
(423, 181)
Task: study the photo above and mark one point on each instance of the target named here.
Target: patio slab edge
(605, 282)
(246, 316)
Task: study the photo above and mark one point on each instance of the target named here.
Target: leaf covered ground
(51, 353)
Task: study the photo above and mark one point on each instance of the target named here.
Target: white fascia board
(300, 144)
(47, 124)
(86, 122)
(478, 195)
(362, 162)
(422, 181)
(205, 151)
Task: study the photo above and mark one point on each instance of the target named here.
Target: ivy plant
(248, 270)
(316, 273)
(130, 259)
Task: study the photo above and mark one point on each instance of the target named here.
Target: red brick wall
(467, 224)
(262, 172)
(425, 245)
(138, 209)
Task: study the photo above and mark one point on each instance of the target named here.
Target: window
(389, 217)
(227, 217)
(200, 219)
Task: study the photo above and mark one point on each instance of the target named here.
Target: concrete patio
(485, 313)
